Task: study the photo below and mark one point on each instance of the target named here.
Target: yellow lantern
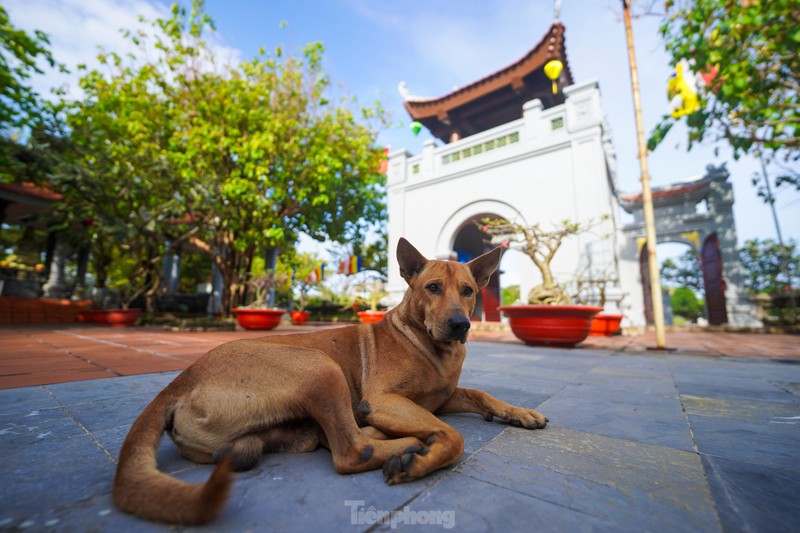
(553, 70)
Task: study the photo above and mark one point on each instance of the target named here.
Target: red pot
(300, 317)
(550, 325)
(118, 318)
(368, 317)
(87, 316)
(604, 325)
(258, 318)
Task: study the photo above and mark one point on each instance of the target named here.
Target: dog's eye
(468, 291)
(433, 287)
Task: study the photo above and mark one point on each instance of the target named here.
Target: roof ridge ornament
(402, 88)
(556, 10)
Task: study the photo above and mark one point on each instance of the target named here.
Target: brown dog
(367, 393)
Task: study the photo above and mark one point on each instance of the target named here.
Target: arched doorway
(699, 213)
(468, 243)
(711, 264)
(713, 281)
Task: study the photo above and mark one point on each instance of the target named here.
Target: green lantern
(416, 127)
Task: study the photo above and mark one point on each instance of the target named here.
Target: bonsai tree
(376, 293)
(307, 275)
(260, 284)
(541, 246)
(589, 286)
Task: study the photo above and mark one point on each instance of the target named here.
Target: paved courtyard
(693, 440)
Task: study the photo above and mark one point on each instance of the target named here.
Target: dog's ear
(411, 261)
(482, 267)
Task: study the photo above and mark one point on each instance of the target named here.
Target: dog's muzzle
(459, 326)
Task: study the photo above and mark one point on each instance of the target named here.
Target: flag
(350, 265)
(317, 274)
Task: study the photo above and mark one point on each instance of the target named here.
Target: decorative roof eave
(22, 192)
(552, 46)
(678, 192)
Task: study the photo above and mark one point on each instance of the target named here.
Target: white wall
(540, 174)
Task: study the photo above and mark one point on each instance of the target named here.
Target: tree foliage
(686, 304)
(20, 54)
(174, 143)
(27, 147)
(683, 272)
(769, 267)
(748, 52)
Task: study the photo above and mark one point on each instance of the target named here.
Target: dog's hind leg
(397, 415)
(243, 452)
(327, 400)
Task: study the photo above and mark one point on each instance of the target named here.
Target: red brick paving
(39, 355)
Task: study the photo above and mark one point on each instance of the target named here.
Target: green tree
(26, 140)
(748, 50)
(768, 266)
(20, 54)
(683, 272)
(686, 304)
(509, 295)
(235, 159)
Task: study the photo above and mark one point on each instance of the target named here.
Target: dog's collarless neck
(428, 348)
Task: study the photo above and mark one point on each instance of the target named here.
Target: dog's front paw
(398, 468)
(526, 418)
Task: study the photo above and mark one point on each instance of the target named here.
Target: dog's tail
(140, 489)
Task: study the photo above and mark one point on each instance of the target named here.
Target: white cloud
(78, 29)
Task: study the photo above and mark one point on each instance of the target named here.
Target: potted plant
(307, 274)
(376, 293)
(258, 314)
(550, 318)
(120, 278)
(592, 287)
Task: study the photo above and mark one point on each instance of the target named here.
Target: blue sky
(435, 46)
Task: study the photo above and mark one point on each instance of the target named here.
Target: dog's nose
(459, 325)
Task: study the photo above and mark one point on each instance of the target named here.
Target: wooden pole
(647, 196)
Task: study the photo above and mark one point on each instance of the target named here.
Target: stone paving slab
(637, 441)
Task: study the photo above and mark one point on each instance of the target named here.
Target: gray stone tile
(734, 379)
(751, 497)
(475, 430)
(462, 503)
(792, 387)
(660, 425)
(624, 482)
(26, 400)
(749, 388)
(756, 432)
(103, 389)
(656, 419)
(105, 414)
(302, 492)
(48, 462)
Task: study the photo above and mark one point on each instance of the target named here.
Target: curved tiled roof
(32, 191)
(502, 92)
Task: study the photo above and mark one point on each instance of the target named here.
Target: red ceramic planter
(550, 325)
(604, 325)
(92, 316)
(300, 317)
(368, 317)
(118, 318)
(254, 318)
